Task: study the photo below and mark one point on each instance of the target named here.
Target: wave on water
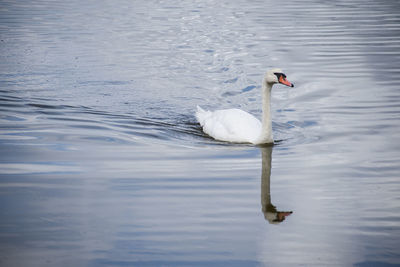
(27, 119)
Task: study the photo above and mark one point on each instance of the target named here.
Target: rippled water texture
(102, 162)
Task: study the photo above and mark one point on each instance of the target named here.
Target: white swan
(238, 126)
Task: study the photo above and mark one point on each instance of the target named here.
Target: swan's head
(276, 76)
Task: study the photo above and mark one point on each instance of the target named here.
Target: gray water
(102, 162)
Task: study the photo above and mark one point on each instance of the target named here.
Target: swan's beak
(283, 80)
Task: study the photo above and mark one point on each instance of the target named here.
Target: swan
(238, 126)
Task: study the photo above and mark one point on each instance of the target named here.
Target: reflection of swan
(235, 125)
(270, 212)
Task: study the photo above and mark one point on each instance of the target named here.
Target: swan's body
(233, 125)
(238, 126)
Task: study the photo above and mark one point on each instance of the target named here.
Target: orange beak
(283, 80)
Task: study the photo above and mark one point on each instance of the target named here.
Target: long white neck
(266, 129)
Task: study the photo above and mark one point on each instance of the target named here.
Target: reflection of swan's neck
(266, 177)
(271, 214)
(266, 131)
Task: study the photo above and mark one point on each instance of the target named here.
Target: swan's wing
(232, 125)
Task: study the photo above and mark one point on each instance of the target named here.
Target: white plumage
(232, 125)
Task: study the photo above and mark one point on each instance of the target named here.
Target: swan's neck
(266, 129)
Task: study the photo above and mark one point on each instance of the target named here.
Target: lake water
(102, 162)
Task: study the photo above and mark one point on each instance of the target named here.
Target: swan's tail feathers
(202, 115)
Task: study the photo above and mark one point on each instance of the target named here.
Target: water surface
(102, 161)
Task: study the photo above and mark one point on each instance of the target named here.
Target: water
(103, 164)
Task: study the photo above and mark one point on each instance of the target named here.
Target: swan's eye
(278, 75)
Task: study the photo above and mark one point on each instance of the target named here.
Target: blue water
(102, 162)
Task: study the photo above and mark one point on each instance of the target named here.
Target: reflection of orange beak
(283, 80)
